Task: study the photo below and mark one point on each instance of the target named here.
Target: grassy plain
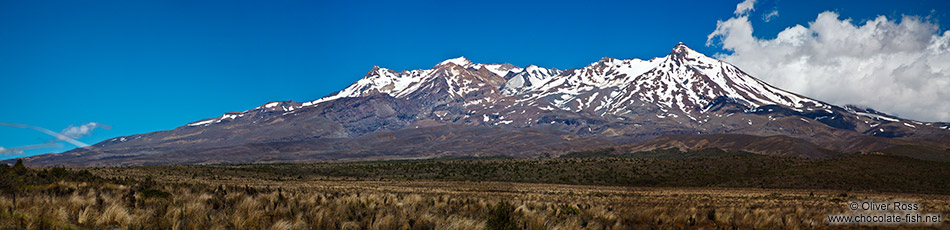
(726, 192)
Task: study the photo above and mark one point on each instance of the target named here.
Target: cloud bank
(900, 67)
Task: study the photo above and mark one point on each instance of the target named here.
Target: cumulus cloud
(81, 130)
(745, 7)
(900, 67)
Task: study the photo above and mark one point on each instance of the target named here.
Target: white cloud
(768, 17)
(76, 132)
(10, 151)
(896, 67)
(19, 149)
(744, 7)
(58, 136)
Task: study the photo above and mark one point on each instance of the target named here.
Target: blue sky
(141, 66)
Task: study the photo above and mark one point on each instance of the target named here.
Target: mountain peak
(685, 92)
(460, 61)
(682, 51)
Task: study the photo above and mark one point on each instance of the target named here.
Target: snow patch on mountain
(684, 81)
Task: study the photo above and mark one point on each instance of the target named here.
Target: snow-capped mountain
(459, 107)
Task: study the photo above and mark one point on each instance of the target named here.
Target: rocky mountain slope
(461, 108)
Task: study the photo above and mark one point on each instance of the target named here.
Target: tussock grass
(175, 198)
(428, 205)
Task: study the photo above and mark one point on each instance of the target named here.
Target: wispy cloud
(20, 149)
(768, 17)
(894, 66)
(58, 136)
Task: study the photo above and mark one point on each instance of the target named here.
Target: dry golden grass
(319, 204)
(179, 200)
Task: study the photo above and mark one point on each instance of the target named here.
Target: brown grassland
(737, 192)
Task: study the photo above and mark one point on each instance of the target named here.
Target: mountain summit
(685, 100)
